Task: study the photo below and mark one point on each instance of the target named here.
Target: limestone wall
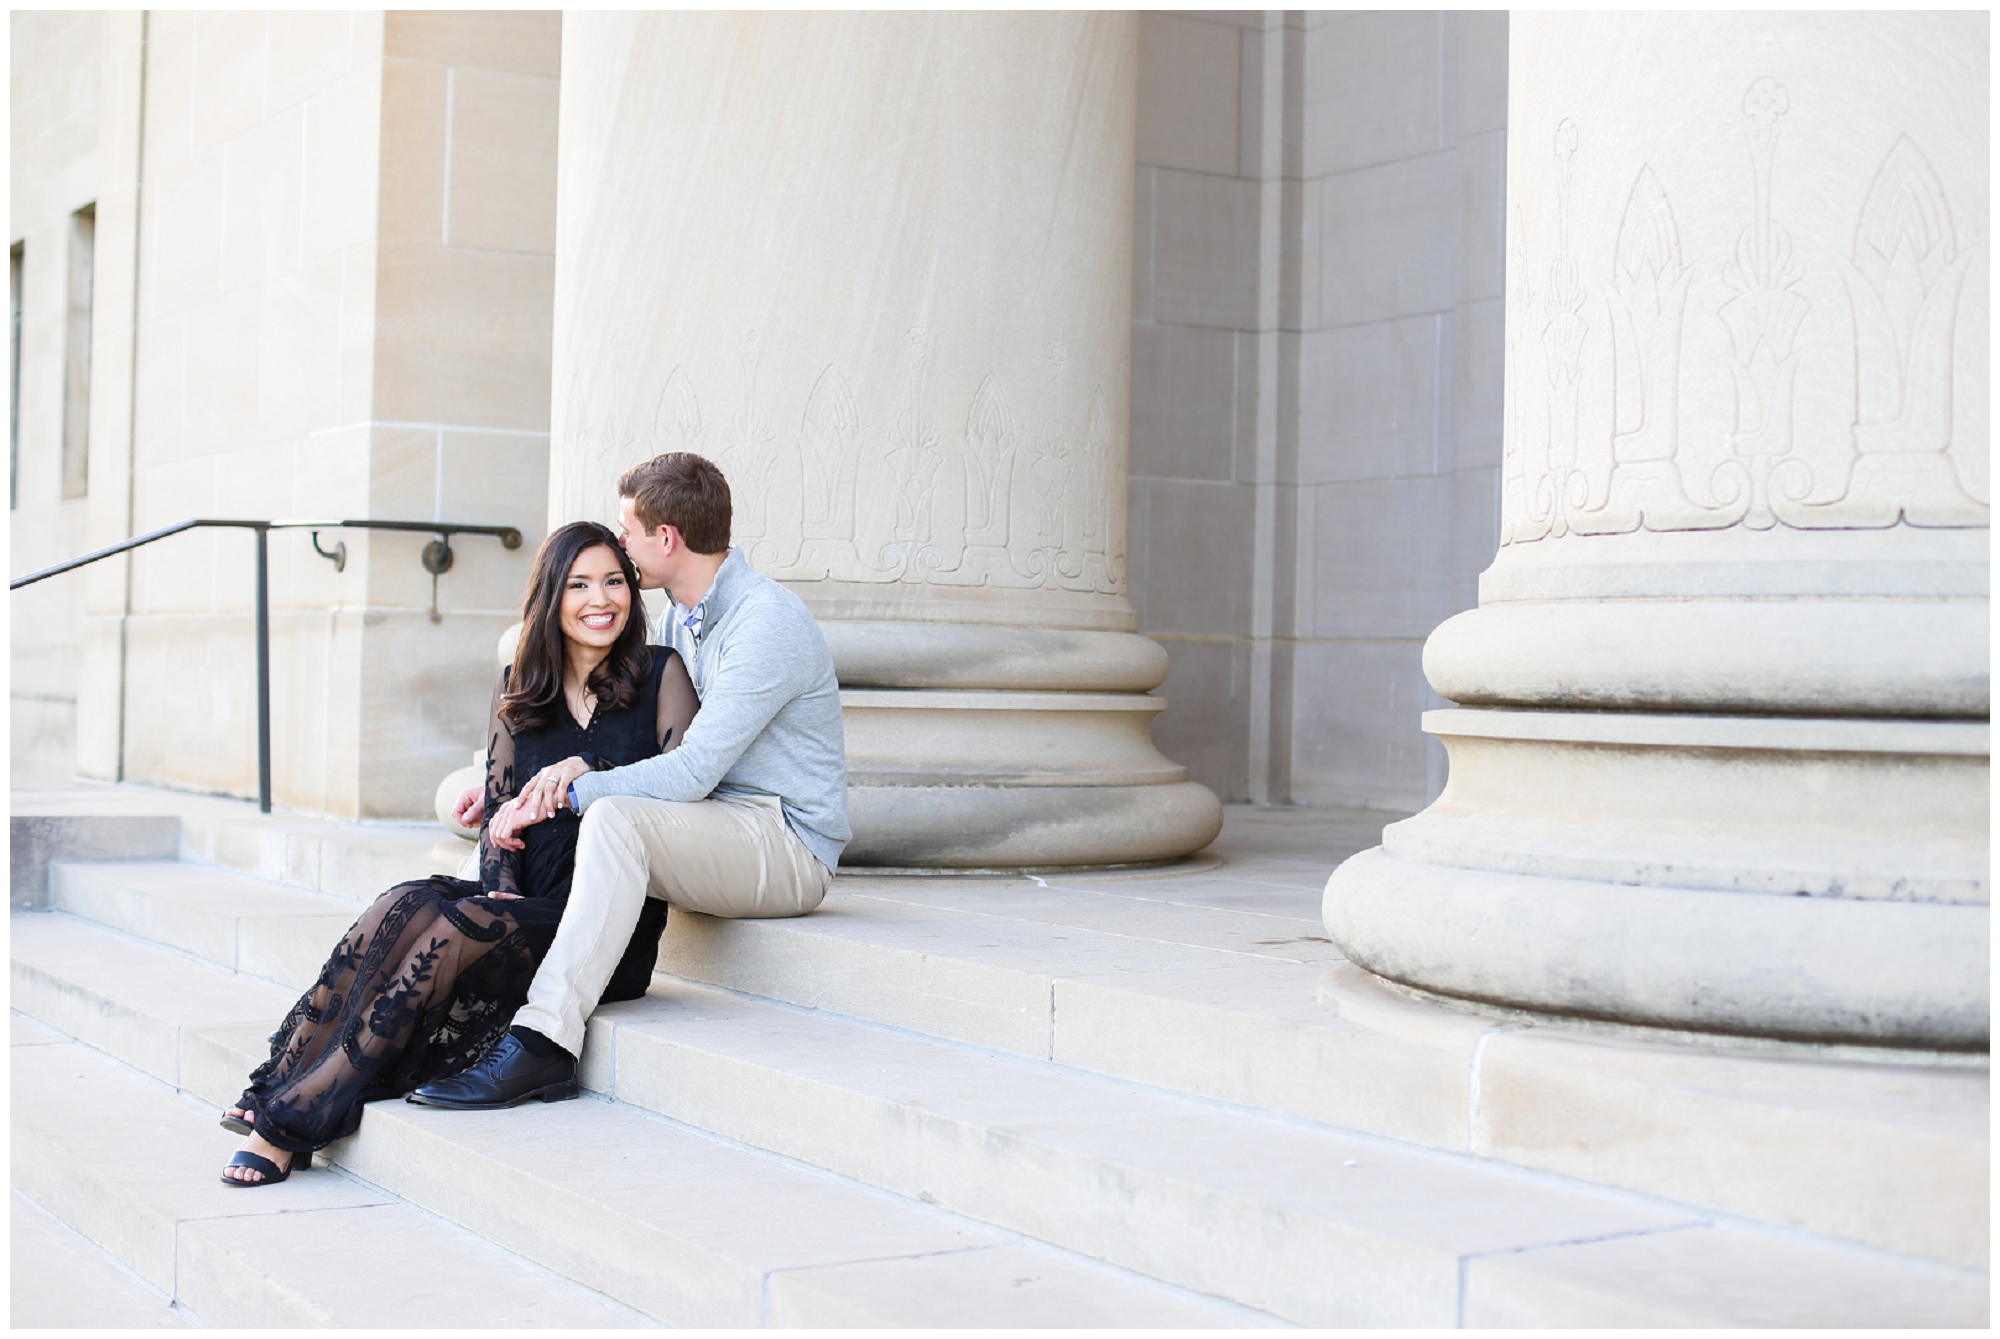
(464, 300)
(1316, 384)
(54, 172)
(344, 273)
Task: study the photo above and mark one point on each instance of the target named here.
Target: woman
(432, 972)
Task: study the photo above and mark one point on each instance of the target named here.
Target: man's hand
(550, 787)
(471, 807)
(543, 796)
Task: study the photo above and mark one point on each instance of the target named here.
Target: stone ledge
(36, 839)
(973, 655)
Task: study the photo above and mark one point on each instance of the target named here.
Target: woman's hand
(471, 807)
(518, 813)
(549, 787)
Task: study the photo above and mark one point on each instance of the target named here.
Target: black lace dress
(432, 973)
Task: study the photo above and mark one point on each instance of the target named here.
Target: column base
(1809, 879)
(972, 763)
(966, 828)
(1910, 974)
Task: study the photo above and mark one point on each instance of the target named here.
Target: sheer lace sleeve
(677, 704)
(496, 873)
(500, 782)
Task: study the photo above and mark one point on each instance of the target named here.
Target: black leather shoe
(506, 1076)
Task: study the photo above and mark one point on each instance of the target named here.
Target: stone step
(679, 1226)
(1314, 1226)
(1217, 997)
(1208, 987)
(1894, 1156)
(699, 1232)
(233, 920)
(263, 929)
(155, 1010)
(355, 861)
(1219, 984)
(133, 1166)
(1169, 983)
(1559, 1281)
(36, 839)
(1716, 1279)
(59, 1280)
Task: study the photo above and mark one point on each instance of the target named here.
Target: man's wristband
(572, 799)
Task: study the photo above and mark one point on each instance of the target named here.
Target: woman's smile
(596, 599)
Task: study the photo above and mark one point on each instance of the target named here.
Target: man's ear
(670, 539)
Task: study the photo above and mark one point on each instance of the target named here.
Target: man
(746, 818)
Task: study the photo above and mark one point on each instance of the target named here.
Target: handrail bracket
(338, 557)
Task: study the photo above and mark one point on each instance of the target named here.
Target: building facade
(1063, 364)
(322, 285)
(345, 305)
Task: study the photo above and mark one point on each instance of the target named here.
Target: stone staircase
(1156, 1100)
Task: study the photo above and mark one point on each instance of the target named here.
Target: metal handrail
(437, 559)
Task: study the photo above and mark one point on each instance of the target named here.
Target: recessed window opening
(76, 361)
(14, 400)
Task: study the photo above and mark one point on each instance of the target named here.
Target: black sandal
(237, 1125)
(258, 1163)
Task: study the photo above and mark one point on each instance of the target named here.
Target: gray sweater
(769, 722)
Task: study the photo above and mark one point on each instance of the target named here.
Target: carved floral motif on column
(746, 457)
(1649, 288)
(913, 461)
(1903, 278)
(1562, 487)
(992, 505)
(829, 444)
(1763, 322)
(1517, 519)
(1903, 282)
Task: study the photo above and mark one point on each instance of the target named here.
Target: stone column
(1721, 762)
(878, 268)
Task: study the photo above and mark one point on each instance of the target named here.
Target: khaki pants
(733, 856)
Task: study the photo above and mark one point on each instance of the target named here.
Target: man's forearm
(664, 777)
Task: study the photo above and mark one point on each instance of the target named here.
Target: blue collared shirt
(690, 618)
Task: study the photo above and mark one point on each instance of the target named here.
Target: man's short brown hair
(683, 490)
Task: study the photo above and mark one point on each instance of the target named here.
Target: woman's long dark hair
(535, 686)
